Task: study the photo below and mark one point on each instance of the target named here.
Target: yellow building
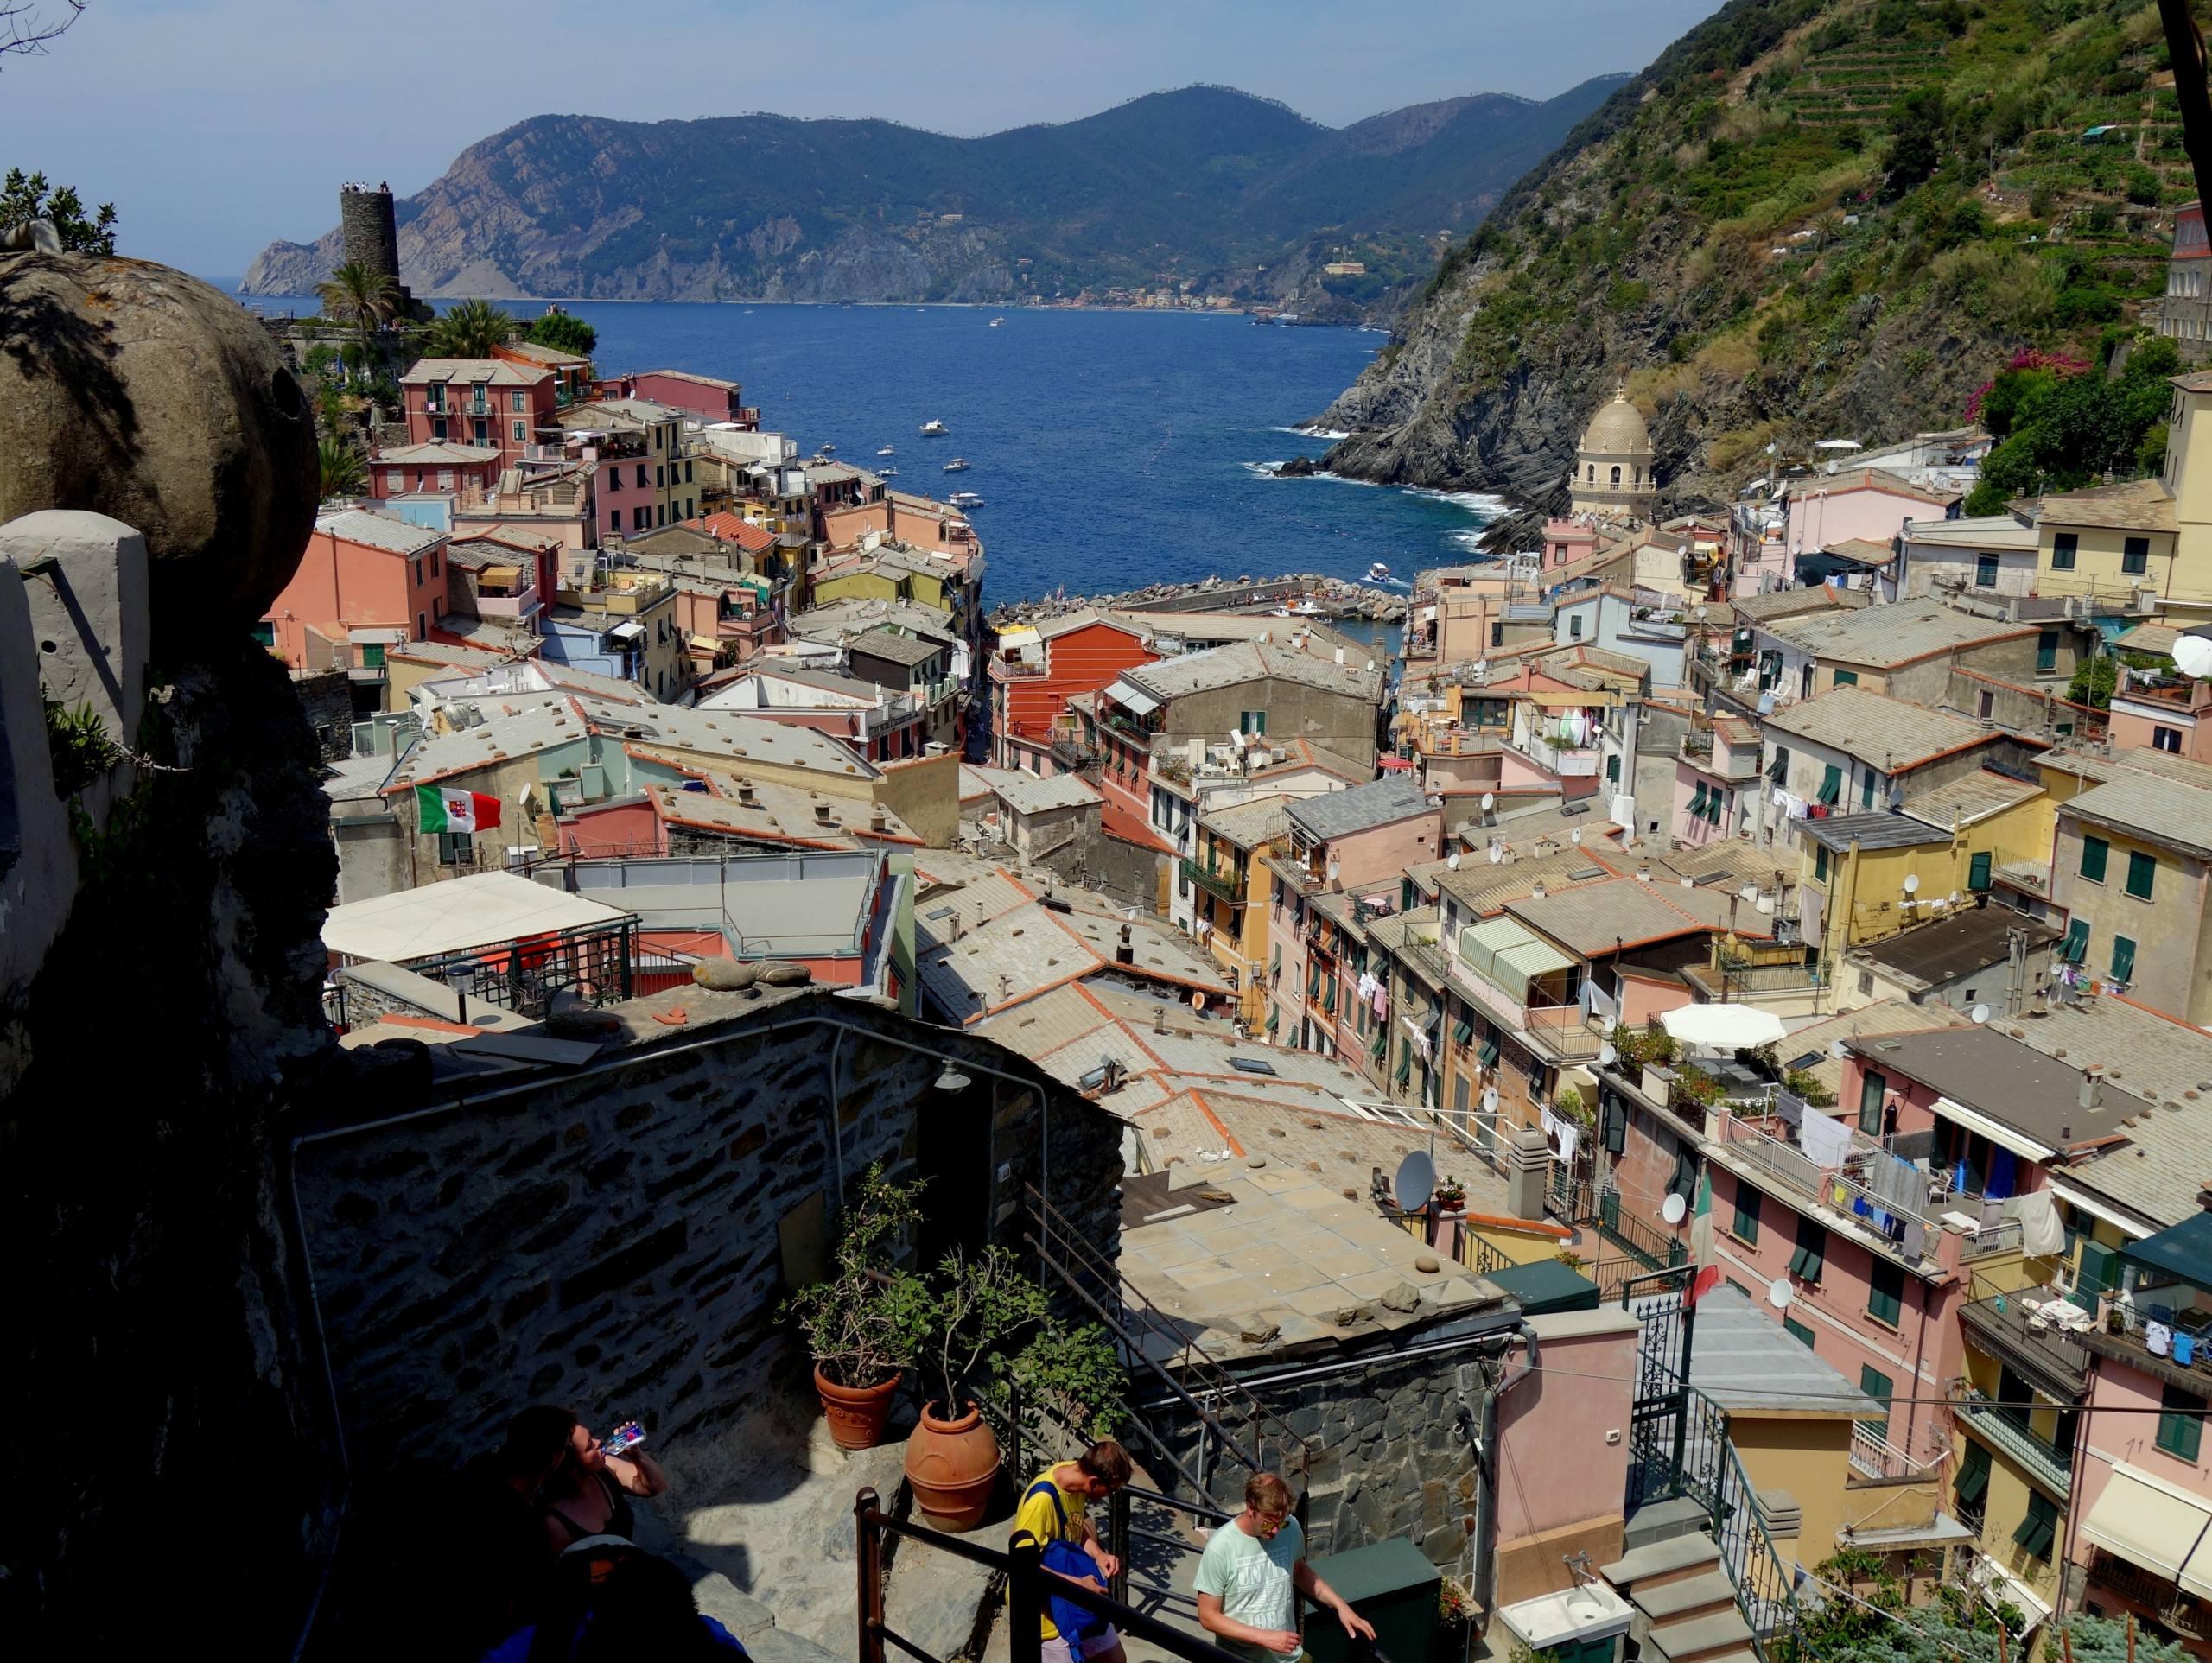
(2115, 542)
(885, 573)
(1869, 875)
(1232, 891)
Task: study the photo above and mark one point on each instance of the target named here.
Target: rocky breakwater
(1306, 594)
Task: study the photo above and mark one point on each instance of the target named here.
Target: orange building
(1038, 669)
(366, 582)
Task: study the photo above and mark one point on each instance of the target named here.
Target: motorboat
(997, 322)
(825, 448)
(1378, 573)
(958, 464)
(887, 473)
(965, 499)
(934, 428)
(888, 450)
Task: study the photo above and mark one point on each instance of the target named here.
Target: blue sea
(1111, 449)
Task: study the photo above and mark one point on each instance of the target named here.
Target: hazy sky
(217, 125)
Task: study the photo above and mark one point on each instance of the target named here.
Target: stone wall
(617, 1239)
(326, 700)
(1388, 1458)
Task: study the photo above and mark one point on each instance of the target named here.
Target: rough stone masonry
(617, 1239)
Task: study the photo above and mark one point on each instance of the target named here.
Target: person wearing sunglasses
(1252, 1573)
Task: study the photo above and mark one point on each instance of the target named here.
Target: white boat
(958, 464)
(1378, 573)
(887, 473)
(965, 499)
(886, 450)
(995, 322)
(825, 449)
(933, 429)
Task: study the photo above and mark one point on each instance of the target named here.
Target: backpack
(1065, 1558)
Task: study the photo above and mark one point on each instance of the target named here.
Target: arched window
(1592, 477)
(1617, 478)
(1639, 474)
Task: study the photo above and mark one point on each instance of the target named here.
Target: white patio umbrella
(1723, 1027)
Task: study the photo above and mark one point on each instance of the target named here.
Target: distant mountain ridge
(1206, 186)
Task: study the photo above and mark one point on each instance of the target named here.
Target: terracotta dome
(1617, 429)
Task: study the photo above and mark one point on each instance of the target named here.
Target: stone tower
(1613, 476)
(368, 228)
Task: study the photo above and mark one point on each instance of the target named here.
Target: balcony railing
(2012, 1437)
(1874, 1457)
(1428, 956)
(2006, 1325)
(2183, 1613)
(1219, 884)
(1838, 1191)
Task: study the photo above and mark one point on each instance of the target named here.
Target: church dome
(1617, 429)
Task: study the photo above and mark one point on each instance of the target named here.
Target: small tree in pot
(982, 1310)
(864, 1322)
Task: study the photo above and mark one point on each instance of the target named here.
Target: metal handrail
(1027, 1588)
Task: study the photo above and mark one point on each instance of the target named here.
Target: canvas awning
(1508, 956)
(500, 573)
(2151, 1523)
(1996, 1130)
(1575, 700)
(627, 631)
(1130, 699)
(2182, 1253)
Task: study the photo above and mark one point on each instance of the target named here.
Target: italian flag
(443, 810)
(1707, 1275)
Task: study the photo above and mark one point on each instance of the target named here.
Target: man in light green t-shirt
(1251, 1574)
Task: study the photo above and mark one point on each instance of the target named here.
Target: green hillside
(1806, 219)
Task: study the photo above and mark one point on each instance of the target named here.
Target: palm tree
(345, 474)
(353, 294)
(471, 329)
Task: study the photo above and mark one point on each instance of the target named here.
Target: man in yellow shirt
(1053, 1509)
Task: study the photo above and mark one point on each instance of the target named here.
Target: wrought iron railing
(596, 962)
(2184, 1613)
(1221, 885)
(2009, 1430)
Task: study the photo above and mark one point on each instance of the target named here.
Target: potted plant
(1451, 1196)
(977, 1308)
(865, 1320)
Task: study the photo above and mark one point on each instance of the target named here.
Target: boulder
(776, 973)
(725, 976)
(137, 392)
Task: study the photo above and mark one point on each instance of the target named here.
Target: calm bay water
(1111, 449)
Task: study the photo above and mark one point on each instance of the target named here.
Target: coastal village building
(366, 582)
(484, 403)
(1858, 503)
(571, 371)
(708, 398)
(2185, 315)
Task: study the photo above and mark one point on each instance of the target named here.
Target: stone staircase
(1685, 1605)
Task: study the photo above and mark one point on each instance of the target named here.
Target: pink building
(1348, 854)
(1560, 1419)
(467, 471)
(1716, 777)
(707, 396)
(1871, 503)
(367, 581)
(479, 401)
(2166, 712)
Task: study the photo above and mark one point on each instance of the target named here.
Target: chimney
(2093, 1087)
(821, 815)
(1124, 952)
(745, 792)
(875, 821)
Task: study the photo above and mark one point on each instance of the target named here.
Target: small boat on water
(886, 450)
(1378, 573)
(934, 428)
(996, 322)
(958, 464)
(965, 499)
(825, 448)
(887, 473)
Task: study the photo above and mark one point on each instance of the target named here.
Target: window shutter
(1978, 872)
(2095, 854)
(2123, 959)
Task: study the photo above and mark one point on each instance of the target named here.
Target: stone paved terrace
(1291, 1267)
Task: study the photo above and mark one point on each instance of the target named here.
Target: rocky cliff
(1805, 220)
(1206, 186)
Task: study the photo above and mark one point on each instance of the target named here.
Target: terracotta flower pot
(952, 1465)
(856, 1414)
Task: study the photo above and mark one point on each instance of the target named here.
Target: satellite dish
(1911, 885)
(1607, 1056)
(1490, 801)
(1495, 855)
(1198, 998)
(1836, 1051)
(1452, 861)
(1673, 1209)
(1416, 1183)
(1979, 1014)
(1575, 837)
(2193, 656)
(1335, 866)
(1777, 1293)
(1490, 1100)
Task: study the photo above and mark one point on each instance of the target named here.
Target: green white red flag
(445, 810)
(1708, 1274)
